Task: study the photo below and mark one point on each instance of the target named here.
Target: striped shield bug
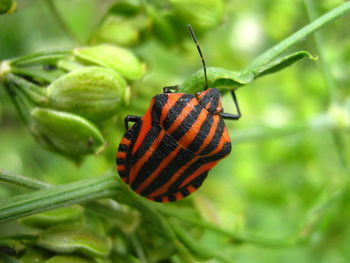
(167, 153)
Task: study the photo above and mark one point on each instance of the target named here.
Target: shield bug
(167, 153)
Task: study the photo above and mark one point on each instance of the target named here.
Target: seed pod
(92, 92)
(66, 133)
(120, 30)
(119, 59)
(201, 14)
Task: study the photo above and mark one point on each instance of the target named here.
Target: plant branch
(278, 49)
(56, 15)
(59, 196)
(319, 40)
(22, 181)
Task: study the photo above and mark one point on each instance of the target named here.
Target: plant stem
(278, 49)
(22, 181)
(56, 15)
(43, 56)
(320, 40)
(58, 196)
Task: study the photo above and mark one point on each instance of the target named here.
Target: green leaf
(34, 255)
(73, 238)
(69, 259)
(281, 63)
(217, 77)
(225, 80)
(54, 217)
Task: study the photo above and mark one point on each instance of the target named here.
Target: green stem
(59, 196)
(320, 40)
(22, 181)
(278, 49)
(56, 15)
(10, 87)
(39, 57)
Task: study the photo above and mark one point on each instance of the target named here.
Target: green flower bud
(66, 133)
(92, 92)
(120, 30)
(119, 59)
(201, 14)
(7, 6)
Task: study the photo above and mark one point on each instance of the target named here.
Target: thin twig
(61, 22)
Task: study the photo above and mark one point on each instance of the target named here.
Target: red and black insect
(167, 153)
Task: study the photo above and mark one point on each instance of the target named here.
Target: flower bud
(92, 92)
(120, 30)
(119, 59)
(7, 6)
(66, 133)
(201, 14)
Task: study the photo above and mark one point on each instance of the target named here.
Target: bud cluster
(66, 101)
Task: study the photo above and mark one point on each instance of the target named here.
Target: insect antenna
(201, 55)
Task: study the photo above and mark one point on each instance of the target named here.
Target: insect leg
(130, 118)
(230, 116)
(170, 89)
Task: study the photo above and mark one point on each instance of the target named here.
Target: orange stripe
(165, 199)
(145, 127)
(136, 168)
(178, 196)
(121, 155)
(125, 141)
(210, 135)
(121, 167)
(161, 166)
(191, 134)
(164, 188)
(199, 171)
(172, 99)
(191, 189)
(183, 114)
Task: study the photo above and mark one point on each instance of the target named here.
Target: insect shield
(67, 103)
(167, 154)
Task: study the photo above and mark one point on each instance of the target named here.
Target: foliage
(282, 193)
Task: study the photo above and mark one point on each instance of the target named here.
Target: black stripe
(197, 182)
(159, 101)
(226, 149)
(123, 148)
(164, 148)
(202, 134)
(120, 161)
(188, 122)
(172, 198)
(181, 158)
(158, 199)
(151, 135)
(175, 110)
(132, 134)
(213, 144)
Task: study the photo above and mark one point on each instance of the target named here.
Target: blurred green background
(288, 172)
